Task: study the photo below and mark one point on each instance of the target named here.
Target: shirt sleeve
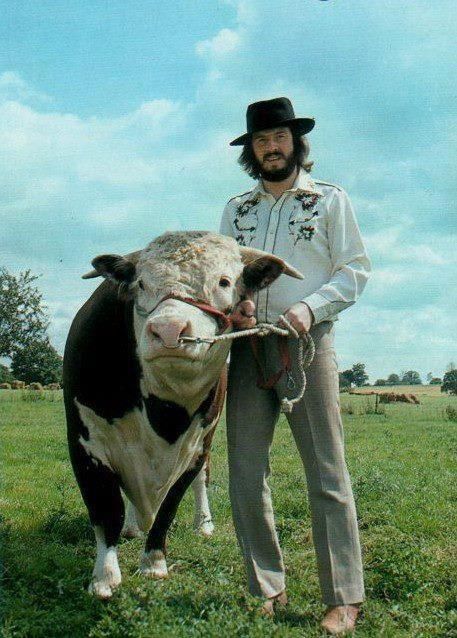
(226, 227)
(350, 264)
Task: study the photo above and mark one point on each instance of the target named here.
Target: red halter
(223, 319)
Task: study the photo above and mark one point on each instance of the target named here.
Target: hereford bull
(141, 401)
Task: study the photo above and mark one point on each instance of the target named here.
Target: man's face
(274, 151)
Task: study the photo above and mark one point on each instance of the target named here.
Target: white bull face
(201, 266)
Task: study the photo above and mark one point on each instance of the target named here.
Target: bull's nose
(168, 331)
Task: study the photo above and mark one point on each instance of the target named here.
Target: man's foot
(340, 620)
(273, 604)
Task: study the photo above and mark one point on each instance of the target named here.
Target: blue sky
(115, 120)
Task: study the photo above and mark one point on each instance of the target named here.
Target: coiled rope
(306, 351)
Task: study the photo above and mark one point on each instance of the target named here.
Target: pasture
(403, 468)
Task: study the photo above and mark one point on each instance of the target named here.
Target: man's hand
(243, 317)
(300, 317)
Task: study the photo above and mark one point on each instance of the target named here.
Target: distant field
(402, 463)
(430, 390)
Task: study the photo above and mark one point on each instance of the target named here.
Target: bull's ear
(250, 255)
(261, 273)
(114, 267)
(131, 257)
(262, 268)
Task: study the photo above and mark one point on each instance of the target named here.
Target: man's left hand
(300, 317)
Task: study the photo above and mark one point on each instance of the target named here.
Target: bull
(142, 398)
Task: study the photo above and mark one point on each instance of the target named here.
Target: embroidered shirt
(312, 226)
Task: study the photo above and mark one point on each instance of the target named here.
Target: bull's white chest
(147, 464)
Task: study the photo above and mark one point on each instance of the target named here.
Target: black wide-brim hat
(272, 114)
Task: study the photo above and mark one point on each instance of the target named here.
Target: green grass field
(403, 466)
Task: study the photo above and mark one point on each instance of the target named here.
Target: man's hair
(248, 161)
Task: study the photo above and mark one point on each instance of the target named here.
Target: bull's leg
(102, 495)
(202, 519)
(153, 562)
(131, 529)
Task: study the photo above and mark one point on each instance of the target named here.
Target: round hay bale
(35, 385)
(17, 385)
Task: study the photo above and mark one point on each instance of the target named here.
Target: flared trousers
(316, 425)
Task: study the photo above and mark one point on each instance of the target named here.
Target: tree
(23, 316)
(359, 375)
(393, 379)
(380, 382)
(37, 361)
(346, 379)
(436, 381)
(429, 377)
(5, 374)
(411, 378)
(450, 382)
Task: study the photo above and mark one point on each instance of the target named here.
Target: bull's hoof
(106, 575)
(154, 565)
(204, 526)
(131, 531)
(104, 588)
(206, 529)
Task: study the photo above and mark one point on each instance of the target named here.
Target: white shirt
(312, 226)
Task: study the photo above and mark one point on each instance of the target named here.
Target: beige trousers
(315, 421)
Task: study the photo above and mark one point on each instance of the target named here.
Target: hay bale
(17, 385)
(35, 385)
(5, 386)
(52, 386)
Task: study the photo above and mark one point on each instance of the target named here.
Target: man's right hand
(243, 317)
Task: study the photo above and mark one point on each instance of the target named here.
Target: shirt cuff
(318, 305)
(323, 309)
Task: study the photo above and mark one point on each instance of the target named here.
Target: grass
(403, 469)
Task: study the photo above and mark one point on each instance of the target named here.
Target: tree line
(357, 376)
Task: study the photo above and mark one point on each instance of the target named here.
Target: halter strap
(267, 384)
(223, 320)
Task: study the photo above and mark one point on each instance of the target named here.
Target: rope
(306, 351)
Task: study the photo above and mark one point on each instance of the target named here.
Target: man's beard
(279, 174)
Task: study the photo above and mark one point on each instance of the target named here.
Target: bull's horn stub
(251, 254)
(132, 257)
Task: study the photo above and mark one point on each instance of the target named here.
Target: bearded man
(310, 224)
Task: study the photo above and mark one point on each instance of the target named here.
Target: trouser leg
(317, 429)
(251, 417)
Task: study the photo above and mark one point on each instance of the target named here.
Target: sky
(115, 120)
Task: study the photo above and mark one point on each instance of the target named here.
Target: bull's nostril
(168, 332)
(152, 332)
(185, 329)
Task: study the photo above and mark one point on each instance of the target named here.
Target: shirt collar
(303, 183)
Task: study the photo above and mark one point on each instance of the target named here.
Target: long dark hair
(247, 160)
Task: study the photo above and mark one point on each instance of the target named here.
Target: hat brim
(302, 124)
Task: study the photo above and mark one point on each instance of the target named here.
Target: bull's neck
(185, 383)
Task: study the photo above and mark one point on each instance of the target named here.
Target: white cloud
(14, 87)
(223, 43)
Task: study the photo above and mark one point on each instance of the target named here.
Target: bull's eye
(141, 284)
(224, 282)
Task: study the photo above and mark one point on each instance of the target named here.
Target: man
(311, 225)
